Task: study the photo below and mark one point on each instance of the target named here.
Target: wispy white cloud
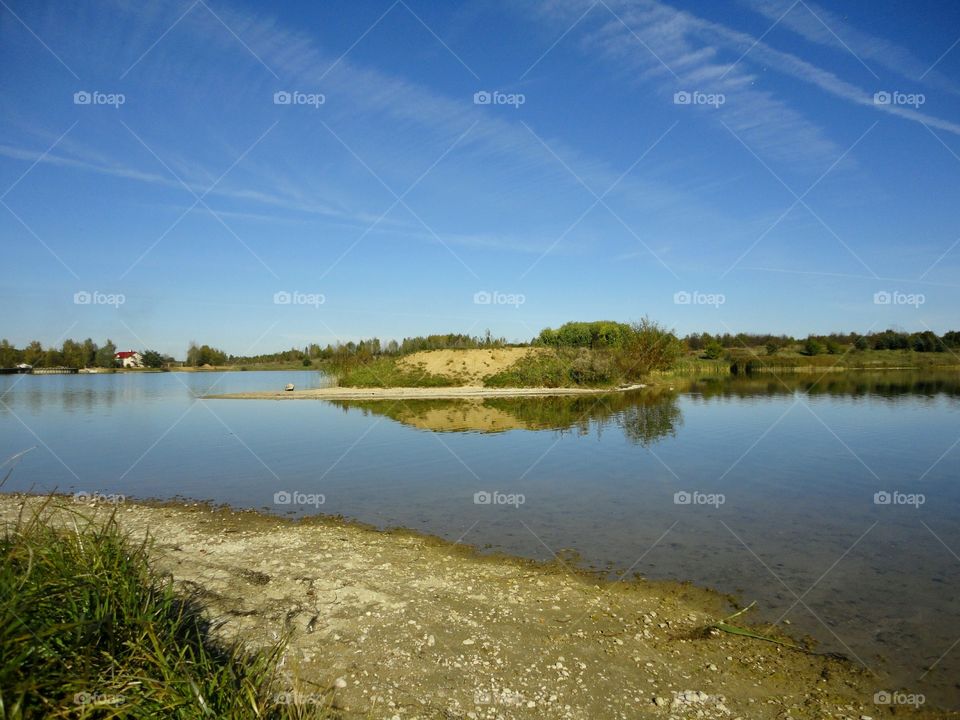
(651, 41)
(821, 26)
(372, 107)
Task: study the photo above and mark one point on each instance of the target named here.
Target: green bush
(546, 369)
(813, 347)
(713, 351)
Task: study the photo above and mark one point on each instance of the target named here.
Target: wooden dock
(40, 371)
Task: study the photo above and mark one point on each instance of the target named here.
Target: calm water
(797, 467)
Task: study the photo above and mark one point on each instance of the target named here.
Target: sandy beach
(401, 625)
(416, 393)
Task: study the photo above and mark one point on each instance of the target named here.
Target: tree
(648, 346)
(33, 353)
(89, 353)
(205, 355)
(105, 355)
(72, 353)
(152, 359)
(861, 343)
(9, 355)
(772, 348)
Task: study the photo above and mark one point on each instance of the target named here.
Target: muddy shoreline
(399, 624)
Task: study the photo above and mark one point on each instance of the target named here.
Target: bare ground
(399, 625)
(473, 365)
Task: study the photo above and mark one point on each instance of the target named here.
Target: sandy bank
(415, 393)
(398, 625)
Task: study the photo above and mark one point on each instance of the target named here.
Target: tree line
(714, 346)
(605, 335)
(347, 354)
(72, 353)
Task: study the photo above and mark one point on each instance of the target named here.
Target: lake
(833, 504)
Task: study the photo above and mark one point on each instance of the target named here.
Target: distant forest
(594, 335)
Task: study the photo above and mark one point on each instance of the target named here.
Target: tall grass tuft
(89, 630)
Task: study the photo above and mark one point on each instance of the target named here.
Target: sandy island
(400, 625)
(415, 393)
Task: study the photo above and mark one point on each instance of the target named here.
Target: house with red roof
(129, 359)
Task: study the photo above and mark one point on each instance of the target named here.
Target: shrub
(713, 351)
(813, 347)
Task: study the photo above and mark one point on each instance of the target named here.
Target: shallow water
(797, 464)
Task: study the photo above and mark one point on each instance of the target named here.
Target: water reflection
(881, 384)
(644, 417)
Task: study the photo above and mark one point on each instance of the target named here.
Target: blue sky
(783, 197)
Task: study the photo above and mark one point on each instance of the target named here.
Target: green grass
(387, 372)
(89, 630)
(561, 368)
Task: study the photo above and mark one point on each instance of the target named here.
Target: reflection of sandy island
(467, 415)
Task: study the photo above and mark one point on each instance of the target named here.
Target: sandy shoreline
(401, 625)
(416, 393)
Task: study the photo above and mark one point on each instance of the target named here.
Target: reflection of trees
(648, 423)
(890, 384)
(644, 416)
